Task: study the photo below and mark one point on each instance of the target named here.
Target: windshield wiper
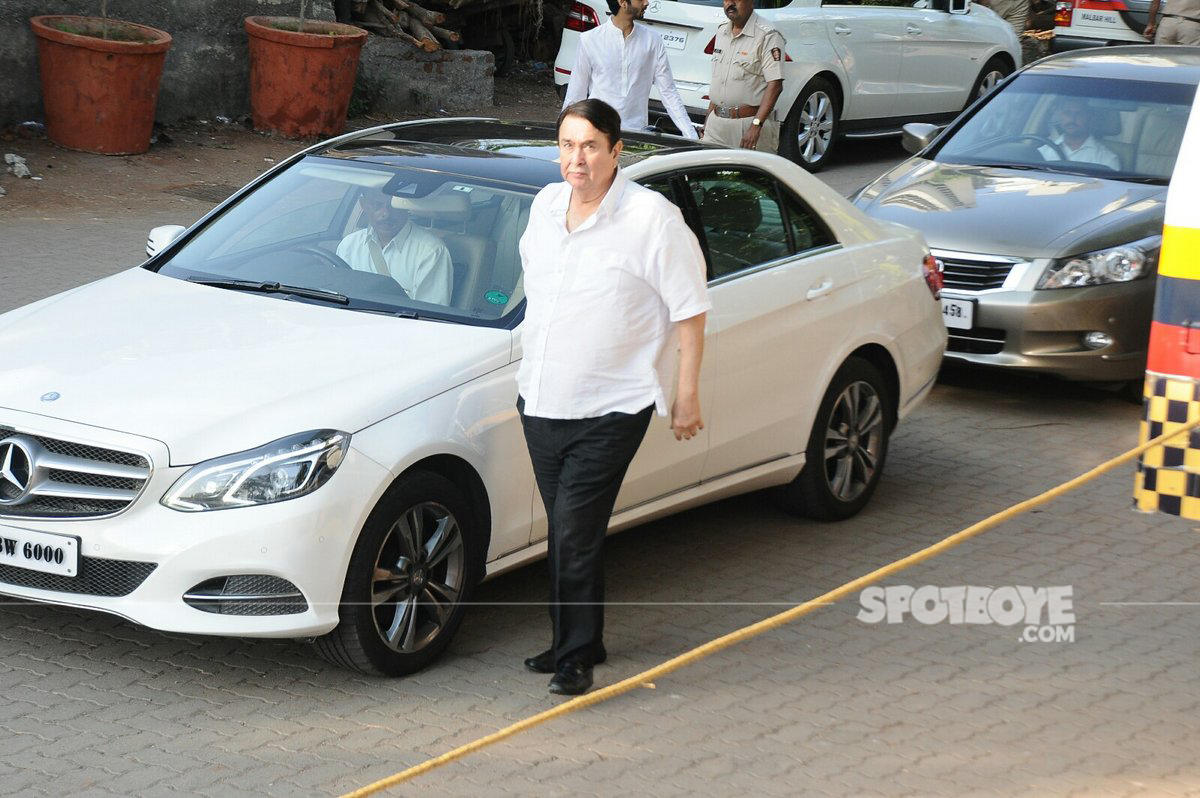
(1148, 180)
(275, 288)
(1025, 167)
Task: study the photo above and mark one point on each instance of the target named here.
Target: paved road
(828, 706)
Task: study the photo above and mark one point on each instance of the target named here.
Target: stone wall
(207, 71)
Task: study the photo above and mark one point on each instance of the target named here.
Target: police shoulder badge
(775, 53)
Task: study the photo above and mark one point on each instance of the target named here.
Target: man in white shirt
(613, 278)
(390, 244)
(617, 62)
(1074, 139)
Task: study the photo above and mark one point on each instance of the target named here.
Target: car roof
(525, 153)
(1146, 62)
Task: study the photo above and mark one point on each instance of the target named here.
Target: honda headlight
(285, 469)
(1114, 265)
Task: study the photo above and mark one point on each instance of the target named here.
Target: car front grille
(971, 272)
(977, 341)
(97, 577)
(72, 480)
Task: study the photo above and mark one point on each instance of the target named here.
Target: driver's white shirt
(418, 260)
(1091, 151)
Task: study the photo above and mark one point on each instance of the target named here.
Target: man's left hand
(685, 418)
(750, 137)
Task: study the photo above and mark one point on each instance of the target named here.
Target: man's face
(385, 220)
(1074, 119)
(738, 11)
(585, 158)
(637, 8)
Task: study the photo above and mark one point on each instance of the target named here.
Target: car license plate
(675, 39)
(1099, 19)
(958, 314)
(39, 551)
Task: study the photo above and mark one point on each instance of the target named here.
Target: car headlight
(284, 469)
(1114, 265)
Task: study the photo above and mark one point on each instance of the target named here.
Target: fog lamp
(1096, 339)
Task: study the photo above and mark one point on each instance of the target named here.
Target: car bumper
(1062, 44)
(157, 556)
(1042, 331)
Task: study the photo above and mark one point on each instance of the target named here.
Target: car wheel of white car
(846, 449)
(994, 71)
(811, 127)
(409, 577)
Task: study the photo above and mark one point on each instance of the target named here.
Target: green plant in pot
(100, 80)
(302, 73)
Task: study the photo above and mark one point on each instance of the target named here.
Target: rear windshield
(1121, 129)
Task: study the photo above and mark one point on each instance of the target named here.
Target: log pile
(405, 19)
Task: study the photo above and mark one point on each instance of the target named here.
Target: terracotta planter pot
(99, 94)
(300, 82)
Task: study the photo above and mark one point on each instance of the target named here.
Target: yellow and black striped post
(1168, 477)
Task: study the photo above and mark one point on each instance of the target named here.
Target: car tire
(846, 449)
(994, 71)
(406, 589)
(811, 128)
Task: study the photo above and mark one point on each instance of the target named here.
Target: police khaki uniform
(743, 65)
(1180, 22)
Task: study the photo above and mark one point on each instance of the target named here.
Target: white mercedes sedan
(852, 68)
(247, 436)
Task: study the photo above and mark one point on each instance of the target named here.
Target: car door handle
(912, 30)
(820, 289)
(841, 30)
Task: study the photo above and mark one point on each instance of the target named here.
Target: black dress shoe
(572, 678)
(544, 662)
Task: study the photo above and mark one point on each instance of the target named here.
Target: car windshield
(369, 237)
(1120, 129)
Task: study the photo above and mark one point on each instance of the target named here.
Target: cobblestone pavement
(94, 706)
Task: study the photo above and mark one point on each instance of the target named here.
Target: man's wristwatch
(756, 122)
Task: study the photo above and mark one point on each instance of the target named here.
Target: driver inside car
(1075, 141)
(390, 244)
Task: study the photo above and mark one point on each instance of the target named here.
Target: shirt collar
(608, 205)
(750, 29)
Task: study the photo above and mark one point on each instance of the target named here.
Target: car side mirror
(960, 6)
(916, 136)
(161, 237)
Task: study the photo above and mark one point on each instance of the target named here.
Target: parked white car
(244, 436)
(853, 70)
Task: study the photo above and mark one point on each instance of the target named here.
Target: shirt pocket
(748, 68)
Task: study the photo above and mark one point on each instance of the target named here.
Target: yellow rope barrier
(646, 678)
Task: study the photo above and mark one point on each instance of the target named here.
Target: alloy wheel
(988, 82)
(853, 440)
(419, 577)
(816, 126)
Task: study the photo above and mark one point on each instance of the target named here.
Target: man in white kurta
(391, 244)
(1074, 138)
(618, 61)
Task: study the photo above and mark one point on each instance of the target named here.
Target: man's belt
(1179, 16)
(734, 111)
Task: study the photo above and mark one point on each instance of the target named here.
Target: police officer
(1180, 22)
(746, 81)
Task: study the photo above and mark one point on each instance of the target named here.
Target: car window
(740, 216)
(1075, 125)
(385, 239)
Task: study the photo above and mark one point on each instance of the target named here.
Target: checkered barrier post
(1168, 477)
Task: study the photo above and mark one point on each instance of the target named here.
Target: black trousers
(579, 465)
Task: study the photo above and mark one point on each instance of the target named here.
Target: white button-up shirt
(1090, 151)
(418, 260)
(619, 69)
(599, 334)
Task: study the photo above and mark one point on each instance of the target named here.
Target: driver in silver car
(1075, 141)
(392, 245)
